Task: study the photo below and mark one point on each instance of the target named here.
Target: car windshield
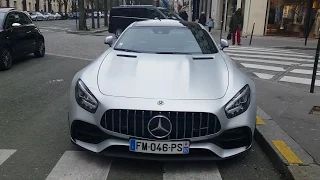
(167, 40)
(169, 14)
(1, 19)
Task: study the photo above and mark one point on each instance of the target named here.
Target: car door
(31, 35)
(16, 35)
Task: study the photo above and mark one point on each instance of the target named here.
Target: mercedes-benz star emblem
(159, 126)
(160, 103)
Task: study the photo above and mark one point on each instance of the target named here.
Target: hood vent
(202, 58)
(125, 55)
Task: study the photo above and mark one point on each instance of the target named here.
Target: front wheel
(40, 49)
(5, 59)
(118, 33)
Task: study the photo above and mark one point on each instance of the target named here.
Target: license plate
(159, 147)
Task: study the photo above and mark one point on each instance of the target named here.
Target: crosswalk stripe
(269, 57)
(5, 154)
(264, 67)
(80, 165)
(304, 71)
(263, 75)
(308, 65)
(298, 80)
(262, 49)
(271, 53)
(203, 171)
(265, 61)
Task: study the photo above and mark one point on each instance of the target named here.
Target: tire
(40, 49)
(6, 59)
(118, 32)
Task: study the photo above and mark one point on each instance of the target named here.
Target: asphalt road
(33, 125)
(63, 25)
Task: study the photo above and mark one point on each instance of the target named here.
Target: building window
(287, 17)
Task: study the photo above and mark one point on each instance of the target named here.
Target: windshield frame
(3, 20)
(115, 44)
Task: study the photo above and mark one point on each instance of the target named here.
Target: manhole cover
(315, 110)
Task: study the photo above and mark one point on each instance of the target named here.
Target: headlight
(85, 98)
(239, 103)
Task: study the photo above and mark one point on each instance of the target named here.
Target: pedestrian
(210, 24)
(202, 19)
(183, 14)
(235, 26)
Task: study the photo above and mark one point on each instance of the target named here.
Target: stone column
(238, 4)
(246, 17)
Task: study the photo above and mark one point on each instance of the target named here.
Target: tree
(65, 3)
(82, 16)
(49, 5)
(37, 5)
(60, 4)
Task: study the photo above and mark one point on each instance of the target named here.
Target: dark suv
(121, 17)
(18, 37)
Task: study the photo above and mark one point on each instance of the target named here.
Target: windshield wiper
(127, 50)
(172, 53)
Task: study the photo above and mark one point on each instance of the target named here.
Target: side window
(126, 12)
(12, 17)
(24, 19)
(153, 13)
(140, 12)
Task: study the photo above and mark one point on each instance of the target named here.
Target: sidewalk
(290, 109)
(272, 41)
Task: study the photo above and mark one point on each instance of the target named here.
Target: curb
(295, 47)
(288, 157)
(87, 32)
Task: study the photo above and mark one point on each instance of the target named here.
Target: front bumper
(234, 137)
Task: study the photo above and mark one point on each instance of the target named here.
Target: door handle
(28, 32)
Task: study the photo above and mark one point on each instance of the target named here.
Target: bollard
(315, 66)
(221, 30)
(251, 34)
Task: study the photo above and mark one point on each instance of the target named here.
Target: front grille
(184, 124)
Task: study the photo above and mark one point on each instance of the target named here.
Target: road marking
(264, 67)
(192, 170)
(259, 121)
(73, 57)
(286, 152)
(303, 71)
(265, 61)
(263, 75)
(262, 49)
(271, 53)
(298, 80)
(5, 154)
(269, 57)
(80, 165)
(308, 65)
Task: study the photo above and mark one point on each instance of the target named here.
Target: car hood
(163, 76)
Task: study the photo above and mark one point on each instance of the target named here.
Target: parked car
(57, 16)
(163, 91)
(18, 37)
(48, 16)
(37, 16)
(122, 16)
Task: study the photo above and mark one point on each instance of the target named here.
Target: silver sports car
(164, 91)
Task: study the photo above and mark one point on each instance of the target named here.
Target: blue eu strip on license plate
(159, 147)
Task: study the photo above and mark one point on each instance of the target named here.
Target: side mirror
(224, 44)
(16, 24)
(109, 40)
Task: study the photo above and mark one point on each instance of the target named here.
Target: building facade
(30, 5)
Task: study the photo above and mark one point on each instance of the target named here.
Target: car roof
(134, 6)
(165, 22)
(6, 9)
